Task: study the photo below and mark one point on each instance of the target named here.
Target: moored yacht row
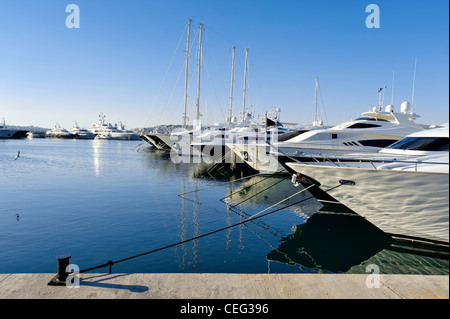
(100, 130)
(383, 165)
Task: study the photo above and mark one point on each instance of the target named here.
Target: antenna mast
(380, 102)
(187, 74)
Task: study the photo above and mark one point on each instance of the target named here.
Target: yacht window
(377, 143)
(370, 119)
(333, 135)
(422, 144)
(363, 125)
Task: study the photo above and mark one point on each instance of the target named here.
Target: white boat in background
(256, 152)
(36, 134)
(81, 133)
(107, 131)
(220, 145)
(403, 189)
(10, 132)
(59, 132)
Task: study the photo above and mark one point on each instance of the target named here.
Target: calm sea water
(109, 200)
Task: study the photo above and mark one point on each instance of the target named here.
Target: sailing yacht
(181, 142)
(180, 139)
(402, 189)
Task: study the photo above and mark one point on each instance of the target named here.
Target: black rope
(110, 263)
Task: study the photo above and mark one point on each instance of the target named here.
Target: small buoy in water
(17, 156)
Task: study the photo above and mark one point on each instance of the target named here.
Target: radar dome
(405, 107)
(389, 108)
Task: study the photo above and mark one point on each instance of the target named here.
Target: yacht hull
(13, 134)
(258, 157)
(60, 135)
(117, 136)
(155, 141)
(403, 203)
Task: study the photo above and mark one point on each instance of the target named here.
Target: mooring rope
(110, 263)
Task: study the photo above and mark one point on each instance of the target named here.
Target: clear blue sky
(116, 61)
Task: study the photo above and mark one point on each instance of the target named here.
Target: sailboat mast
(315, 111)
(187, 73)
(245, 83)
(199, 69)
(230, 115)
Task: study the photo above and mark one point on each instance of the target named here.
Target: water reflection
(332, 241)
(276, 191)
(96, 156)
(101, 157)
(322, 239)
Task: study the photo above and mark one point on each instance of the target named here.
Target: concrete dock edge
(226, 286)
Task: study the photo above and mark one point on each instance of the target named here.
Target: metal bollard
(61, 275)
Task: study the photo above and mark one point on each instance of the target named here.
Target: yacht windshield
(363, 125)
(366, 118)
(422, 144)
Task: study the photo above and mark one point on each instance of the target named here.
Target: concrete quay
(226, 286)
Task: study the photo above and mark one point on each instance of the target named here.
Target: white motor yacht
(402, 189)
(371, 132)
(219, 145)
(81, 133)
(107, 131)
(59, 132)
